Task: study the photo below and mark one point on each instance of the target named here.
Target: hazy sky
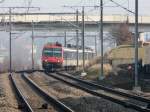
(56, 5)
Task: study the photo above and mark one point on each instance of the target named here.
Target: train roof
(70, 48)
(74, 50)
(51, 45)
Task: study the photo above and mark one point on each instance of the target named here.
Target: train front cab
(52, 58)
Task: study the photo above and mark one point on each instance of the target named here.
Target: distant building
(144, 38)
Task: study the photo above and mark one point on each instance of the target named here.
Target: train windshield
(52, 52)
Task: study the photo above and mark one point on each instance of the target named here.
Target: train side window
(74, 55)
(69, 55)
(89, 55)
(86, 54)
(80, 56)
(65, 55)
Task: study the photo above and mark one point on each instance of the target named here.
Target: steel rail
(20, 95)
(138, 98)
(49, 98)
(115, 100)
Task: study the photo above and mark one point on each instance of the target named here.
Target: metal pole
(32, 45)
(66, 62)
(136, 43)
(83, 26)
(95, 46)
(65, 39)
(10, 54)
(77, 38)
(101, 76)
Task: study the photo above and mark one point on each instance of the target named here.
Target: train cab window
(48, 52)
(52, 52)
(57, 52)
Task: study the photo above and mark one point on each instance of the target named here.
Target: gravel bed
(76, 99)
(107, 93)
(34, 100)
(8, 101)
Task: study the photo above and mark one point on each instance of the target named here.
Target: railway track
(20, 95)
(34, 98)
(129, 101)
(57, 103)
(71, 96)
(139, 98)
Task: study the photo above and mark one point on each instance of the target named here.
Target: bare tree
(121, 34)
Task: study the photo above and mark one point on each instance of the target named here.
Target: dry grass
(93, 62)
(94, 71)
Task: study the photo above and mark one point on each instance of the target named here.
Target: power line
(80, 2)
(122, 7)
(29, 4)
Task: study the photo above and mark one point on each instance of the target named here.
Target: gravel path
(76, 99)
(8, 102)
(34, 100)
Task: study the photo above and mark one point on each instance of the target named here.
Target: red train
(52, 56)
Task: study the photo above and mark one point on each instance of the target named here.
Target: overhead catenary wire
(29, 4)
(122, 6)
